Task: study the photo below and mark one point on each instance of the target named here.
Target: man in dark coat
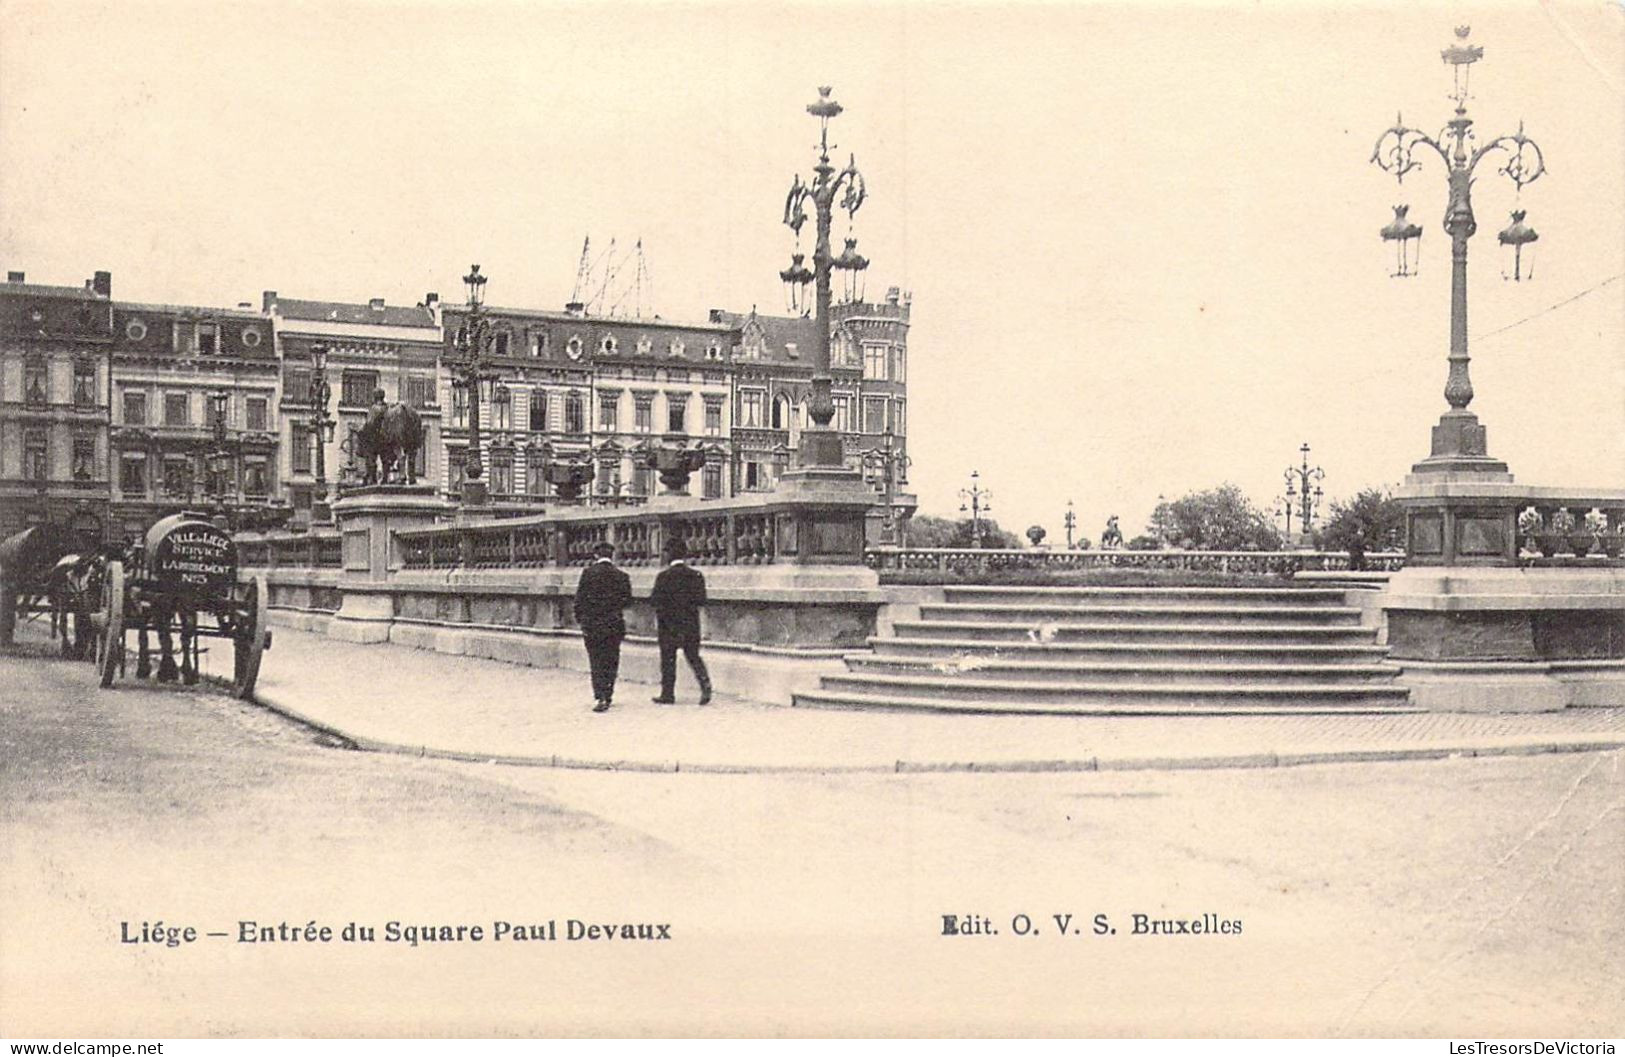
(678, 594)
(600, 596)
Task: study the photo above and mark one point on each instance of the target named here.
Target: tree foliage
(1219, 519)
(1370, 521)
(927, 531)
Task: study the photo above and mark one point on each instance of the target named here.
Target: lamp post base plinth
(475, 493)
(1460, 446)
(822, 449)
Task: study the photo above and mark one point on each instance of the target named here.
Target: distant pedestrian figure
(600, 596)
(678, 594)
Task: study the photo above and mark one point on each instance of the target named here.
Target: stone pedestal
(475, 493)
(1456, 518)
(826, 524)
(367, 520)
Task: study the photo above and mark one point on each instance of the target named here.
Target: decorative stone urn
(569, 478)
(674, 465)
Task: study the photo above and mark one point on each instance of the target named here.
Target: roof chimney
(267, 300)
(716, 315)
(431, 299)
(245, 304)
(102, 283)
(376, 304)
(575, 308)
(16, 277)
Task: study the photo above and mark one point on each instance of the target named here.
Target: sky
(1141, 240)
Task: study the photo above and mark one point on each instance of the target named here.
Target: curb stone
(1231, 761)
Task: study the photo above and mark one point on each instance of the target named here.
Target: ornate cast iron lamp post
(1458, 440)
(1071, 522)
(321, 429)
(821, 446)
(469, 373)
(975, 500)
(892, 466)
(1303, 484)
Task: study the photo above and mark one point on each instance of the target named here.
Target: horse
(392, 434)
(26, 561)
(1112, 537)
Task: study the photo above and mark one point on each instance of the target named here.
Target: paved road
(1462, 897)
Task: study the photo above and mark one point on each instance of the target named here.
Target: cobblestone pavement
(417, 699)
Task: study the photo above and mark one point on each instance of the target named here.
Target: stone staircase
(1124, 650)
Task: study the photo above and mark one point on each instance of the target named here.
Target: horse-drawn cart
(184, 580)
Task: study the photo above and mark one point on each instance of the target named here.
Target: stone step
(1145, 596)
(1063, 673)
(1149, 685)
(1177, 633)
(1135, 614)
(1179, 701)
(1143, 653)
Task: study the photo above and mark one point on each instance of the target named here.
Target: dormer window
(713, 351)
(608, 346)
(645, 346)
(675, 349)
(503, 342)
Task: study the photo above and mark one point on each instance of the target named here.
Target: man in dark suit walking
(600, 596)
(678, 594)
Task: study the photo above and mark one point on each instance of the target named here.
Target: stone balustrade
(1566, 527)
(1282, 563)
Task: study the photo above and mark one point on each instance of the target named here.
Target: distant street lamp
(469, 372)
(1071, 522)
(1303, 484)
(321, 428)
(891, 466)
(1458, 440)
(975, 500)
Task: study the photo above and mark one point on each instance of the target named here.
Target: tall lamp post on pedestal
(821, 451)
(469, 372)
(1071, 522)
(888, 463)
(1459, 443)
(975, 500)
(220, 457)
(321, 429)
(1303, 484)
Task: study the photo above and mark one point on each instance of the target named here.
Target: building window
(755, 476)
(713, 351)
(502, 472)
(536, 473)
(177, 476)
(676, 413)
(255, 479)
(420, 392)
(502, 408)
(176, 410)
(843, 414)
(609, 476)
(643, 481)
(713, 418)
(84, 456)
(711, 481)
(256, 408)
(36, 455)
(538, 410)
(573, 418)
(456, 466)
(36, 386)
(609, 346)
(899, 362)
(538, 343)
(359, 387)
(898, 418)
(296, 385)
(132, 476)
(208, 338)
(84, 384)
(874, 414)
(135, 407)
(643, 414)
(751, 402)
(299, 447)
(874, 363)
(675, 349)
(609, 407)
(504, 342)
(781, 412)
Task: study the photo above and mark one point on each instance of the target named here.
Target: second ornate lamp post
(821, 448)
(1458, 440)
(469, 373)
(1071, 522)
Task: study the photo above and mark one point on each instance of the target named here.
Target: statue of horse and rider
(388, 441)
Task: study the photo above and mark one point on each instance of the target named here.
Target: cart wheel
(110, 641)
(253, 632)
